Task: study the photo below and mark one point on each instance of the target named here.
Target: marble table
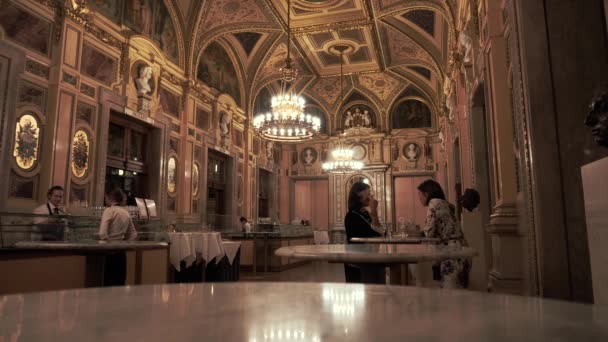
(376, 253)
(372, 257)
(395, 239)
(293, 312)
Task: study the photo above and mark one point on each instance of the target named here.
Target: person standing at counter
(361, 221)
(116, 223)
(245, 225)
(50, 229)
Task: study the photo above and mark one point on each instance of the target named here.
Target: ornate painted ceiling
(397, 46)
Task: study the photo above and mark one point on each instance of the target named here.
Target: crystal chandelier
(287, 121)
(342, 156)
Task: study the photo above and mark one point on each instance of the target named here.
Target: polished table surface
(395, 239)
(376, 253)
(293, 312)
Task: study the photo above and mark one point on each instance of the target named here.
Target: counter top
(270, 235)
(87, 245)
(293, 312)
(376, 253)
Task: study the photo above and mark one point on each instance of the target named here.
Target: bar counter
(43, 266)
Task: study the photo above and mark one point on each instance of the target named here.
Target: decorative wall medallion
(359, 152)
(80, 153)
(308, 156)
(171, 175)
(195, 179)
(411, 151)
(27, 136)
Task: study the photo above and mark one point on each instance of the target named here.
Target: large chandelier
(287, 121)
(342, 156)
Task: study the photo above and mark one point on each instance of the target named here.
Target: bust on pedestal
(144, 89)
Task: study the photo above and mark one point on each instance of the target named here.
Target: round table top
(293, 312)
(376, 253)
(395, 239)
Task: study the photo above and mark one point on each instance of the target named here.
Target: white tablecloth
(187, 247)
(231, 248)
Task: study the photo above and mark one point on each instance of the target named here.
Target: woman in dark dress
(361, 221)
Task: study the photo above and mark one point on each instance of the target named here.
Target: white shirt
(44, 210)
(246, 227)
(116, 224)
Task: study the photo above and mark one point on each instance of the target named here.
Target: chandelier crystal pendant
(287, 121)
(342, 156)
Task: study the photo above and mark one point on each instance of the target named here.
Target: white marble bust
(224, 124)
(143, 80)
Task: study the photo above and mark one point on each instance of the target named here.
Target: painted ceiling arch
(253, 33)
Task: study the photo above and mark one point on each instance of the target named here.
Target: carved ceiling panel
(276, 60)
(404, 49)
(306, 15)
(360, 58)
(327, 90)
(381, 84)
(224, 12)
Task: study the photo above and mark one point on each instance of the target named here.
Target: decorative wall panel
(27, 139)
(80, 153)
(22, 187)
(25, 28)
(172, 175)
(97, 65)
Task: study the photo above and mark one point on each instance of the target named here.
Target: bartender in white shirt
(48, 228)
(116, 223)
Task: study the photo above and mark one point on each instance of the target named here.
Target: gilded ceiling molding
(336, 26)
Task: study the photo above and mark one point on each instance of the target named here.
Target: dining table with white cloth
(190, 247)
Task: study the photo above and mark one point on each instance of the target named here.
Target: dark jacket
(358, 224)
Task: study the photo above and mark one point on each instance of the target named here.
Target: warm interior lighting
(342, 156)
(287, 121)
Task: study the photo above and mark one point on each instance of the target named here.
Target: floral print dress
(441, 224)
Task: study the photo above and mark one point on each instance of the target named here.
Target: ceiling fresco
(393, 45)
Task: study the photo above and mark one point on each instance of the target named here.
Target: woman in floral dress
(441, 224)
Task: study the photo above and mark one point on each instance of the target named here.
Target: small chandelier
(287, 121)
(342, 160)
(342, 156)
